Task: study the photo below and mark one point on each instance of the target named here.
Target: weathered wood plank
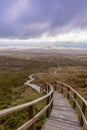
(63, 116)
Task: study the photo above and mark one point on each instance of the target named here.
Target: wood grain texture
(63, 116)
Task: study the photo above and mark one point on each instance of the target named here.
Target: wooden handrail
(48, 90)
(74, 95)
(33, 119)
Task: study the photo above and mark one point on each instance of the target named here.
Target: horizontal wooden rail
(33, 118)
(75, 96)
(48, 90)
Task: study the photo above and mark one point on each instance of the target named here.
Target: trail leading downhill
(63, 116)
(34, 86)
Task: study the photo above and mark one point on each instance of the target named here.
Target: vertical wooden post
(41, 89)
(45, 88)
(48, 88)
(48, 110)
(61, 88)
(55, 86)
(52, 102)
(68, 89)
(83, 110)
(74, 104)
(31, 115)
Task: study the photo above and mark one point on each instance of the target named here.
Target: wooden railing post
(61, 88)
(84, 110)
(68, 89)
(52, 101)
(31, 115)
(41, 89)
(74, 104)
(55, 86)
(45, 87)
(48, 88)
(48, 110)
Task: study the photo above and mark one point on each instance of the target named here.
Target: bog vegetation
(15, 71)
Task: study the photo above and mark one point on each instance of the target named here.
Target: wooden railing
(48, 90)
(78, 102)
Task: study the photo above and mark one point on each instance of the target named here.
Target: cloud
(76, 36)
(75, 40)
(13, 12)
(35, 19)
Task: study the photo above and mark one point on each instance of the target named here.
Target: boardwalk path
(34, 86)
(63, 116)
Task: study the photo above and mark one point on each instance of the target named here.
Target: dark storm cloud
(31, 18)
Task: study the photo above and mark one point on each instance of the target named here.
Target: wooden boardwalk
(63, 116)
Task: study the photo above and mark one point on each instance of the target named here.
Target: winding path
(63, 116)
(34, 86)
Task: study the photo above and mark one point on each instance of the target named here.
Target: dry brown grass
(74, 76)
(14, 72)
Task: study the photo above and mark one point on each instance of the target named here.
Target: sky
(48, 24)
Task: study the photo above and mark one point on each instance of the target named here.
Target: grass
(14, 72)
(14, 93)
(74, 76)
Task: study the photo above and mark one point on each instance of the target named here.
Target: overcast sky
(43, 21)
